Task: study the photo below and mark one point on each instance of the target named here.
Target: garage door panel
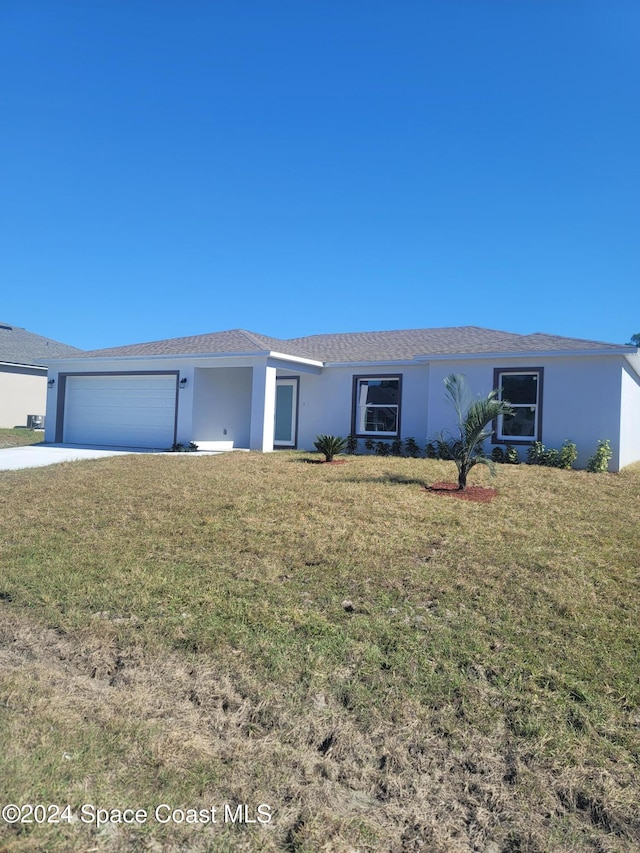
(137, 411)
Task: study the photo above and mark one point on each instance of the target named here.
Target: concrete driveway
(37, 455)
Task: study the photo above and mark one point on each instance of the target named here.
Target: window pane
(519, 387)
(381, 419)
(523, 423)
(284, 413)
(381, 392)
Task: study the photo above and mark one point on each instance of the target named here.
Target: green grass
(20, 437)
(176, 630)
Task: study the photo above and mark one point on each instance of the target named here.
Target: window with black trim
(376, 405)
(522, 388)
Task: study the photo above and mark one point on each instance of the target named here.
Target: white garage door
(119, 410)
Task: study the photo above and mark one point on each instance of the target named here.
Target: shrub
(330, 445)
(438, 449)
(443, 451)
(179, 447)
(352, 444)
(431, 451)
(383, 448)
(511, 455)
(396, 447)
(538, 454)
(498, 455)
(369, 444)
(411, 447)
(567, 455)
(599, 462)
(507, 456)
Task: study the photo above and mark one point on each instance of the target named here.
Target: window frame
(496, 437)
(357, 379)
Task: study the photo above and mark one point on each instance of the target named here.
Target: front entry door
(284, 434)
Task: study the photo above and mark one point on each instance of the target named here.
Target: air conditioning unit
(35, 421)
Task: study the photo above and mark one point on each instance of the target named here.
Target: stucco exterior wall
(580, 400)
(326, 401)
(630, 415)
(23, 391)
(582, 397)
(222, 405)
(217, 394)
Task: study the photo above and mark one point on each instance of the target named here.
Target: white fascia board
(633, 360)
(296, 359)
(173, 356)
(157, 357)
(407, 362)
(473, 356)
(22, 364)
(529, 354)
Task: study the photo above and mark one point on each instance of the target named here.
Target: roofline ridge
(400, 331)
(253, 336)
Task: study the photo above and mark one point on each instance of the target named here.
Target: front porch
(247, 407)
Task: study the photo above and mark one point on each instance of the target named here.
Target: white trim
(374, 365)
(362, 406)
(529, 354)
(506, 439)
(465, 356)
(296, 358)
(291, 382)
(21, 364)
(633, 360)
(194, 355)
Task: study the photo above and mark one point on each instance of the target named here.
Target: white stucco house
(23, 377)
(238, 389)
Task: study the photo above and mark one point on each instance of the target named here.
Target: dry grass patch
(20, 437)
(177, 631)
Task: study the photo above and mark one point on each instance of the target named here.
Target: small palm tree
(330, 445)
(475, 416)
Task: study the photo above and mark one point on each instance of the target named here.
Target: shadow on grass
(389, 478)
(385, 477)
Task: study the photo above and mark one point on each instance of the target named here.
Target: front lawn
(383, 667)
(20, 437)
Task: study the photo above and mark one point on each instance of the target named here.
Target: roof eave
(473, 356)
(397, 362)
(197, 355)
(298, 359)
(23, 364)
(619, 351)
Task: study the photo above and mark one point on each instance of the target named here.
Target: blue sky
(174, 167)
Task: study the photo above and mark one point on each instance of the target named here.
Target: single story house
(238, 389)
(23, 377)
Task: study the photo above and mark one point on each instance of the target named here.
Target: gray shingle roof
(215, 343)
(397, 345)
(456, 340)
(18, 346)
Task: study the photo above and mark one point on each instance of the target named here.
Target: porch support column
(263, 407)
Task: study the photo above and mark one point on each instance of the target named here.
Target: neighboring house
(23, 376)
(244, 390)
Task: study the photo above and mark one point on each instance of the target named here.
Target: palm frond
(475, 416)
(458, 395)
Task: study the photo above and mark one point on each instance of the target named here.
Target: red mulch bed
(478, 494)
